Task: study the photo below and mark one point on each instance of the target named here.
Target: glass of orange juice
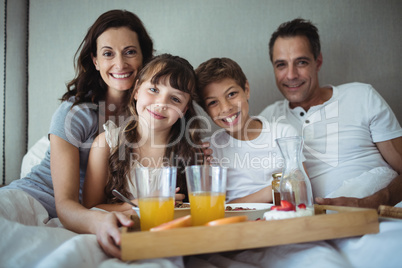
(207, 191)
(156, 193)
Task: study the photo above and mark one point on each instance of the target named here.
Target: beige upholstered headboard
(361, 41)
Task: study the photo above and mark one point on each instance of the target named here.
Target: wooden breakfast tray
(345, 222)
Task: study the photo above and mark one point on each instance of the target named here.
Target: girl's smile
(156, 115)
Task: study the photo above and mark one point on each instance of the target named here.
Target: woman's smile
(121, 75)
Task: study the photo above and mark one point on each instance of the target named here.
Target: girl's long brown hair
(179, 74)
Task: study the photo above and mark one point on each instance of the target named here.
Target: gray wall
(361, 41)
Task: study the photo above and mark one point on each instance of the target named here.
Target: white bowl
(178, 212)
(253, 211)
(181, 212)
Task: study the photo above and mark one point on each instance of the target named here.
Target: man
(352, 137)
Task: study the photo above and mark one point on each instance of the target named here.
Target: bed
(29, 239)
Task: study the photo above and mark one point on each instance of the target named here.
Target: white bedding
(29, 239)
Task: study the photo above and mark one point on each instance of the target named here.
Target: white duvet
(29, 239)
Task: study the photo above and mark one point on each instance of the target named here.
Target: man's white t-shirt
(340, 135)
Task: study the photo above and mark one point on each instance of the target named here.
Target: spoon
(123, 198)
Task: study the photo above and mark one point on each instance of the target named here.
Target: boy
(245, 144)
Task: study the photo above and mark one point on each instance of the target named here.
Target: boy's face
(227, 104)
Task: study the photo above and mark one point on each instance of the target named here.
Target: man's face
(296, 71)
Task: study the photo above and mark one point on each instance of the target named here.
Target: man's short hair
(297, 27)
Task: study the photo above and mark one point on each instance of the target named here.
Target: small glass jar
(295, 186)
(276, 195)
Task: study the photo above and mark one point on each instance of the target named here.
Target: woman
(114, 49)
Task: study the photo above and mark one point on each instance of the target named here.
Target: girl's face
(160, 106)
(119, 58)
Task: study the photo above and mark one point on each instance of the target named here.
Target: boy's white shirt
(250, 163)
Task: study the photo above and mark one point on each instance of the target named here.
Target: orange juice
(206, 206)
(155, 211)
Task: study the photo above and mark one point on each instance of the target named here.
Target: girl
(162, 124)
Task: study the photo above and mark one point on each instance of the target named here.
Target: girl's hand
(207, 152)
(135, 201)
(179, 197)
(108, 233)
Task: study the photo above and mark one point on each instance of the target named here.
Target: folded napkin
(366, 184)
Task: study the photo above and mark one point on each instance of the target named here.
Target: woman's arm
(64, 163)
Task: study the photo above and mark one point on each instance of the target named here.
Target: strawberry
(302, 206)
(285, 209)
(287, 206)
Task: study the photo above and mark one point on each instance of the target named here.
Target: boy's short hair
(215, 70)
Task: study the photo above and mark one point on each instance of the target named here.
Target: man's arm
(391, 151)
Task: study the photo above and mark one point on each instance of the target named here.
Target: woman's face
(118, 59)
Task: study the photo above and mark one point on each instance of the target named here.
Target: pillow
(34, 156)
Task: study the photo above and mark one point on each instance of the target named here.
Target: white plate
(256, 210)
(181, 212)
